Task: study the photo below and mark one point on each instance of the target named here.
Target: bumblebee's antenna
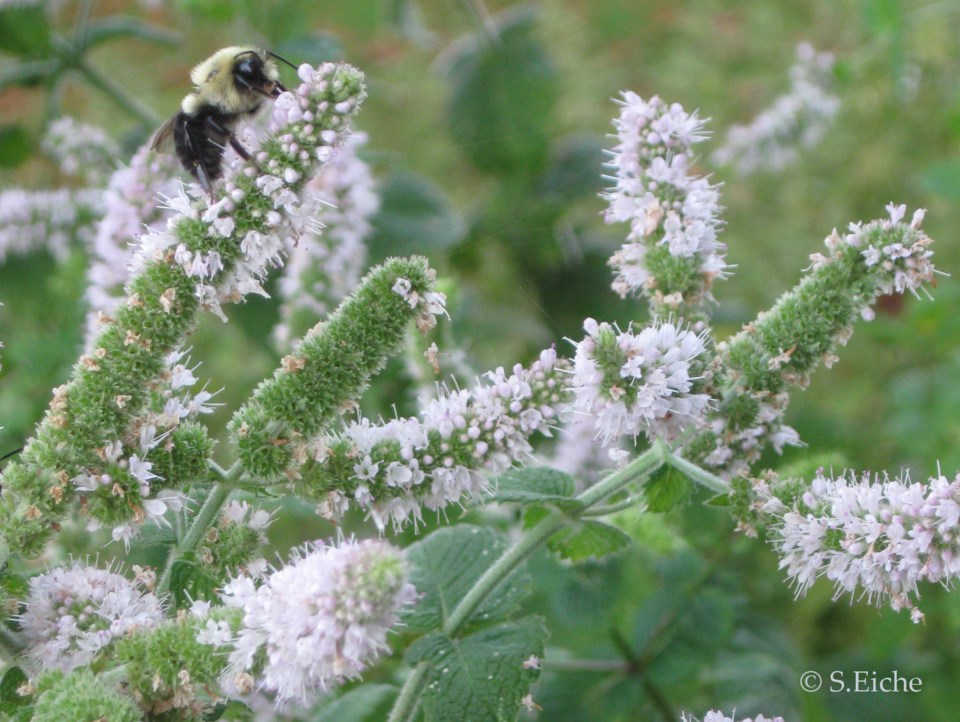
(281, 59)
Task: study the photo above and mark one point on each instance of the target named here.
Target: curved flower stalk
(331, 367)
(779, 350)
(47, 220)
(81, 150)
(74, 613)
(325, 267)
(130, 206)
(207, 254)
(872, 536)
(318, 621)
(393, 468)
(796, 121)
(647, 382)
(672, 255)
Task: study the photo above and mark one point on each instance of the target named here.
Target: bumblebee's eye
(248, 72)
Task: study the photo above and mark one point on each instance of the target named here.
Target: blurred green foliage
(487, 138)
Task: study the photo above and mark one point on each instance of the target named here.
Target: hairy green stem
(637, 470)
(702, 477)
(502, 568)
(644, 465)
(201, 522)
(409, 698)
(613, 508)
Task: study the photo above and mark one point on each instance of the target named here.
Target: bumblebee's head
(235, 79)
(255, 70)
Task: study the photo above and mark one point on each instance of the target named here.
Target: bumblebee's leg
(199, 170)
(188, 147)
(234, 143)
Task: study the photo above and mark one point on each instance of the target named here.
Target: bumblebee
(229, 85)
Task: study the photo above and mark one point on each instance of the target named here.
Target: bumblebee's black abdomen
(200, 139)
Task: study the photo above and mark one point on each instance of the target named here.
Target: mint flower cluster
(758, 367)
(73, 613)
(318, 621)
(651, 382)
(797, 120)
(235, 543)
(331, 367)
(872, 537)
(718, 716)
(261, 205)
(672, 255)
(392, 469)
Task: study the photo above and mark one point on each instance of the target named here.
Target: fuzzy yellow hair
(215, 84)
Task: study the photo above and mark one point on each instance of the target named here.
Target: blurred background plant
(485, 128)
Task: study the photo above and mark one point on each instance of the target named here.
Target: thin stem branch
(598, 511)
(704, 478)
(201, 522)
(644, 465)
(502, 568)
(409, 698)
(117, 93)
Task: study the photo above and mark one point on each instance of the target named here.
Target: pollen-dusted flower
(796, 121)
(672, 254)
(393, 469)
(648, 382)
(872, 537)
(75, 612)
(320, 620)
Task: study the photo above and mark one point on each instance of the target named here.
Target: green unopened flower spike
(235, 542)
(82, 695)
(207, 255)
(174, 667)
(785, 344)
(332, 366)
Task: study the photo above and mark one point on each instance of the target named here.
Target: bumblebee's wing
(162, 138)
